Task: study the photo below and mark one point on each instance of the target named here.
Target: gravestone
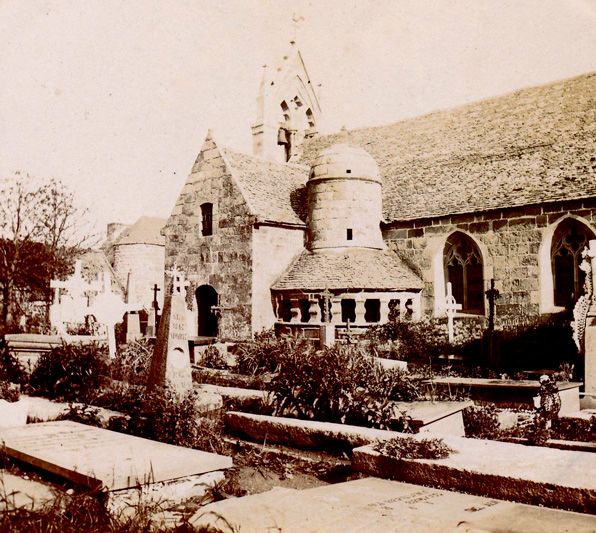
(326, 329)
(170, 364)
(100, 459)
(377, 505)
(451, 308)
(108, 308)
(133, 327)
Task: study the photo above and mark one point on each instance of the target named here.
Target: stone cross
(451, 307)
(178, 281)
(155, 290)
(492, 294)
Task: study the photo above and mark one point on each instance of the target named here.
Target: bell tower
(288, 109)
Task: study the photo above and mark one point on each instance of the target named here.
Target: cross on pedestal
(155, 290)
(178, 281)
(326, 301)
(492, 294)
(451, 307)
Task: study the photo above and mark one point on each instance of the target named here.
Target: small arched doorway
(207, 299)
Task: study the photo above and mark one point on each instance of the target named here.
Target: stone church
(345, 227)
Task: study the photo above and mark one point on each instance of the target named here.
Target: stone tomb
(437, 417)
(376, 505)
(509, 392)
(100, 459)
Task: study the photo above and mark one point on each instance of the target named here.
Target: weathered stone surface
(536, 475)
(304, 433)
(98, 458)
(438, 417)
(376, 505)
(16, 492)
(509, 391)
(170, 363)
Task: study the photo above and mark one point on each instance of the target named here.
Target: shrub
(211, 358)
(263, 353)
(10, 367)
(427, 338)
(161, 416)
(132, 362)
(8, 392)
(338, 384)
(481, 422)
(83, 414)
(411, 448)
(72, 372)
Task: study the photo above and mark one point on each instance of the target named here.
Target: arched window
(207, 219)
(463, 269)
(569, 240)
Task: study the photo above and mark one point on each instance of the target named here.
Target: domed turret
(344, 200)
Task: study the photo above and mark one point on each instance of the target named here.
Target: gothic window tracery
(463, 269)
(569, 240)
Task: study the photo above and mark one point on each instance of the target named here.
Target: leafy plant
(8, 392)
(263, 353)
(411, 448)
(212, 358)
(71, 372)
(132, 361)
(83, 414)
(481, 422)
(10, 367)
(338, 384)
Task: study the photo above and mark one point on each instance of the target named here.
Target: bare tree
(41, 230)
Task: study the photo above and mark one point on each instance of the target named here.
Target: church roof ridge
(529, 146)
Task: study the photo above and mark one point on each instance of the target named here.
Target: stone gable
(222, 260)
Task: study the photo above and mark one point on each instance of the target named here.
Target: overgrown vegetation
(211, 358)
(77, 513)
(10, 367)
(261, 355)
(338, 384)
(411, 448)
(71, 372)
(132, 361)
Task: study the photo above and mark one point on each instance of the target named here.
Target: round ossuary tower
(344, 200)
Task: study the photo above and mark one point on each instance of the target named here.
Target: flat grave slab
(536, 475)
(376, 505)
(99, 458)
(437, 417)
(510, 392)
(16, 492)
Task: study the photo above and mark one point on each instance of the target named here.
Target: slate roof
(146, 230)
(348, 269)
(274, 191)
(531, 146)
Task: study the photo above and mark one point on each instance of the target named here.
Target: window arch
(463, 269)
(569, 240)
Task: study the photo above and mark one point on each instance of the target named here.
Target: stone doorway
(207, 299)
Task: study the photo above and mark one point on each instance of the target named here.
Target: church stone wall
(274, 249)
(145, 262)
(222, 260)
(510, 242)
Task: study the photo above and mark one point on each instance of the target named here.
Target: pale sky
(114, 97)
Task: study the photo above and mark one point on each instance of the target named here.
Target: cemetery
(287, 431)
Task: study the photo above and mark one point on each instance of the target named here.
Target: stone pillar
(315, 311)
(360, 311)
(295, 310)
(384, 310)
(336, 311)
